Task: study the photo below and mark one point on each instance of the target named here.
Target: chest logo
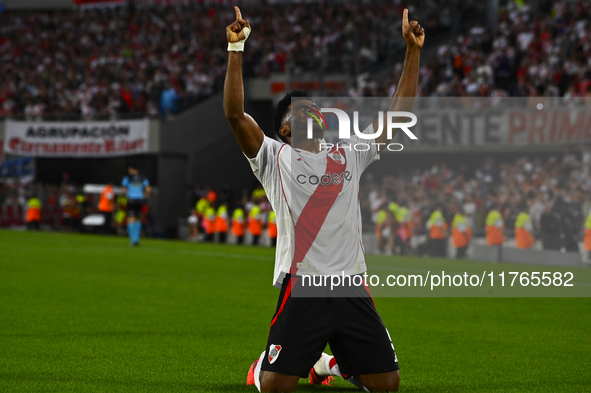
(337, 157)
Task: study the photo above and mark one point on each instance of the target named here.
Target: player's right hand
(235, 31)
(413, 33)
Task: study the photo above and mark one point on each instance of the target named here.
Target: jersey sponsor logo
(274, 352)
(326, 179)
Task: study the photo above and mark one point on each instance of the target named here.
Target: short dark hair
(132, 165)
(282, 110)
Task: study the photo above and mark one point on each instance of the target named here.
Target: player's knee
(387, 382)
(277, 383)
(276, 387)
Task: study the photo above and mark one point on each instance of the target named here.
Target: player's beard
(299, 130)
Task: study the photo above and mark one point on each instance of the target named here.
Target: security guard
(495, 226)
(461, 233)
(523, 231)
(221, 223)
(238, 225)
(255, 223)
(437, 233)
(272, 228)
(33, 213)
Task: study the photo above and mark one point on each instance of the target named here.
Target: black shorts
(302, 326)
(134, 208)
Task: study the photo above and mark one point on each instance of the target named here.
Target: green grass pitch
(82, 313)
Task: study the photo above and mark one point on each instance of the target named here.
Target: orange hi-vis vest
(437, 225)
(255, 224)
(461, 233)
(272, 226)
(106, 200)
(221, 220)
(208, 221)
(238, 222)
(587, 238)
(494, 228)
(34, 210)
(523, 228)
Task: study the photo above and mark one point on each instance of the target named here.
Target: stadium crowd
(541, 52)
(99, 63)
(105, 62)
(102, 63)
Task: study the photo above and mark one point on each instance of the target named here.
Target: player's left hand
(235, 31)
(413, 33)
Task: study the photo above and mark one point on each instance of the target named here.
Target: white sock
(323, 368)
(257, 372)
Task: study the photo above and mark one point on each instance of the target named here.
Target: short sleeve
(125, 182)
(146, 182)
(262, 163)
(365, 156)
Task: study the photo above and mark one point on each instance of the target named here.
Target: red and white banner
(500, 128)
(76, 139)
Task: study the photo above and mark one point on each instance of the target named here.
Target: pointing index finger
(404, 17)
(238, 13)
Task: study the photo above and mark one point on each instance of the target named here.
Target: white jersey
(316, 201)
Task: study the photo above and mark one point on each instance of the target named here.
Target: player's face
(296, 119)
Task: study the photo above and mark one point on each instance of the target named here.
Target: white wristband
(239, 46)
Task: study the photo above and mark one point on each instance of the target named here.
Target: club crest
(274, 352)
(337, 157)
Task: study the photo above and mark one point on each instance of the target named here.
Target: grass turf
(82, 313)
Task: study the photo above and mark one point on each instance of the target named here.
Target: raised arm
(404, 98)
(247, 132)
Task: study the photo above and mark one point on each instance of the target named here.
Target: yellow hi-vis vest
(34, 203)
(523, 228)
(238, 215)
(393, 207)
(461, 233)
(381, 218)
(436, 219)
(403, 215)
(238, 222)
(202, 206)
(459, 222)
(437, 225)
(222, 212)
(523, 221)
(494, 228)
(494, 218)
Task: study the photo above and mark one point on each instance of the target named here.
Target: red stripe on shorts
(286, 296)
